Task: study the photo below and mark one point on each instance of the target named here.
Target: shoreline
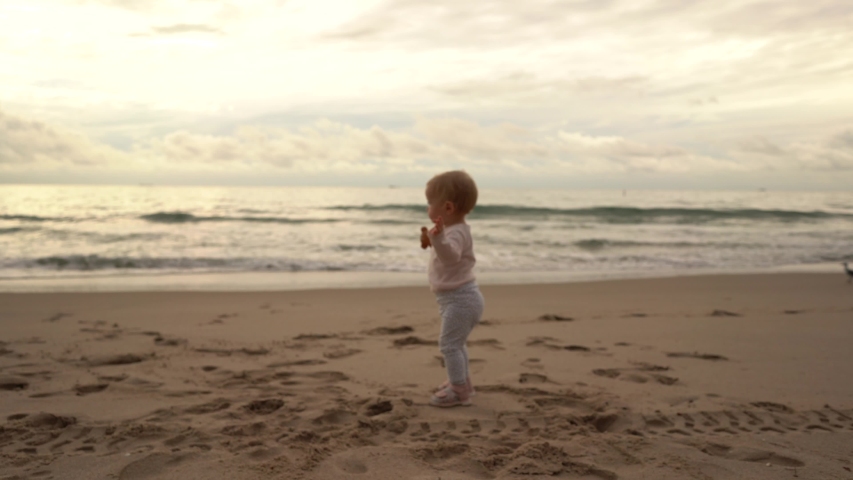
(318, 280)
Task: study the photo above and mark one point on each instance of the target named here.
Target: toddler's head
(456, 187)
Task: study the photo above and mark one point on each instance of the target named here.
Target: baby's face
(434, 209)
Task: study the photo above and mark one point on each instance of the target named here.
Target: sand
(714, 377)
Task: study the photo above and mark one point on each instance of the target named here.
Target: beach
(694, 377)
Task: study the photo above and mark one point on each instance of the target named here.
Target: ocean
(164, 237)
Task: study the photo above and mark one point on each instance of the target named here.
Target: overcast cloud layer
(599, 93)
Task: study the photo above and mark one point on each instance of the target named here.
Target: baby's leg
(455, 328)
(460, 312)
(468, 382)
(467, 361)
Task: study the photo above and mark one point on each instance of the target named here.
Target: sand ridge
(630, 388)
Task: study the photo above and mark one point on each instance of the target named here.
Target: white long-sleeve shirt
(452, 260)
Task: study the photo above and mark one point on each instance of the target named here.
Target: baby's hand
(439, 226)
(425, 243)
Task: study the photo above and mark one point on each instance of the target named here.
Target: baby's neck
(454, 221)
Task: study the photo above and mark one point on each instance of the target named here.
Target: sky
(721, 94)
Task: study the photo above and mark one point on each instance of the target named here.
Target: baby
(451, 196)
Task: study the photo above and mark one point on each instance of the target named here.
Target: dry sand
(719, 377)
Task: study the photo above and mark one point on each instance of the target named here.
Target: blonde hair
(456, 187)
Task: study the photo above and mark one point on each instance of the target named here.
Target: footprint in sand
(264, 407)
(550, 317)
(208, 407)
(773, 418)
(607, 372)
(701, 356)
(13, 383)
(533, 363)
(750, 455)
(93, 388)
(341, 353)
(298, 363)
(169, 341)
(649, 367)
(663, 379)
(403, 342)
(315, 336)
(487, 342)
(351, 465)
(57, 317)
(547, 342)
(328, 376)
(5, 351)
(119, 359)
(533, 378)
(390, 330)
(576, 348)
(153, 466)
(225, 352)
(112, 378)
(724, 313)
(773, 407)
(378, 408)
(631, 375)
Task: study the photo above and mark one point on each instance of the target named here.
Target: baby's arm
(447, 246)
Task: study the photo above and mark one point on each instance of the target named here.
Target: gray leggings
(460, 309)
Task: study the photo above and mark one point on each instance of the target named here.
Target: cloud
(427, 144)
(179, 29)
(26, 142)
(842, 140)
(185, 28)
(467, 24)
(698, 102)
(135, 5)
(620, 154)
(60, 84)
(317, 146)
(480, 22)
(761, 146)
(333, 146)
(832, 154)
(526, 87)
